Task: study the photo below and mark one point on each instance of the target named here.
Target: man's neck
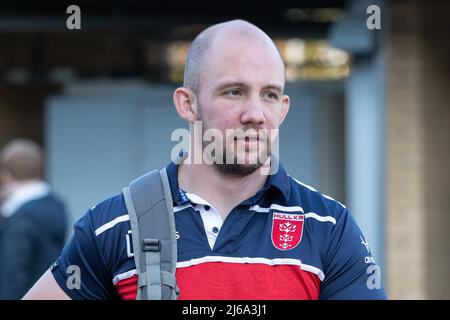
(223, 192)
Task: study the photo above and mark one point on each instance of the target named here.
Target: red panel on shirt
(127, 288)
(237, 281)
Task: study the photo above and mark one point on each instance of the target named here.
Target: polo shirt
(286, 242)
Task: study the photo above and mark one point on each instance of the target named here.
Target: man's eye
(272, 95)
(232, 93)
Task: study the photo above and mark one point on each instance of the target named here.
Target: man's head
(234, 79)
(21, 160)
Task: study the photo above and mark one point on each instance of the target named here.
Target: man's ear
(285, 104)
(185, 101)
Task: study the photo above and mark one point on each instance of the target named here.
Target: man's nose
(253, 111)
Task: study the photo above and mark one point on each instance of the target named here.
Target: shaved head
(197, 57)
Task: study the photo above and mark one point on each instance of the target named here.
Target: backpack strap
(150, 206)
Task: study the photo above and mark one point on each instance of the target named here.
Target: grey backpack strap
(149, 203)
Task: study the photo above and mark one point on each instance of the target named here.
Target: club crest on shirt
(287, 230)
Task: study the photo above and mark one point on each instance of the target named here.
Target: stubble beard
(234, 169)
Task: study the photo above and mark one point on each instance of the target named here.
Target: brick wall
(418, 188)
(436, 104)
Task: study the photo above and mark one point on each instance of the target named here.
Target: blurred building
(368, 123)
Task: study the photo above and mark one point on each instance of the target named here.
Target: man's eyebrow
(274, 87)
(226, 85)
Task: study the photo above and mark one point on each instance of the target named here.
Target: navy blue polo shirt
(287, 241)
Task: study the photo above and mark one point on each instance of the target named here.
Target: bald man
(33, 223)
(241, 234)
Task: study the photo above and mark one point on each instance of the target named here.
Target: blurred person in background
(33, 221)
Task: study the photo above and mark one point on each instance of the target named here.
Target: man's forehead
(257, 76)
(228, 80)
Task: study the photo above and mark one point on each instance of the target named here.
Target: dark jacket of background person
(30, 240)
(33, 224)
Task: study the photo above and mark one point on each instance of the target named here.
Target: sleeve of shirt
(81, 270)
(350, 270)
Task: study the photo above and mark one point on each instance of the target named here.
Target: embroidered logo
(287, 230)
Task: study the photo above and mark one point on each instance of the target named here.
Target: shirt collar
(279, 181)
(31, 191)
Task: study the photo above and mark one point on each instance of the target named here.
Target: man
(241, 234)
(33, 225)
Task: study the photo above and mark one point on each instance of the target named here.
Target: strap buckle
(151, 245)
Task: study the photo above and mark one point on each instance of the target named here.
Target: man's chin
(237, 170)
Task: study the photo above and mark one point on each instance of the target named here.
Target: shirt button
(215, 229)
(207, 207)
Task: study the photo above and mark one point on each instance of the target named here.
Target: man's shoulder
(108, 213)
(41, 209)
(48, 205)
(313, 201)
